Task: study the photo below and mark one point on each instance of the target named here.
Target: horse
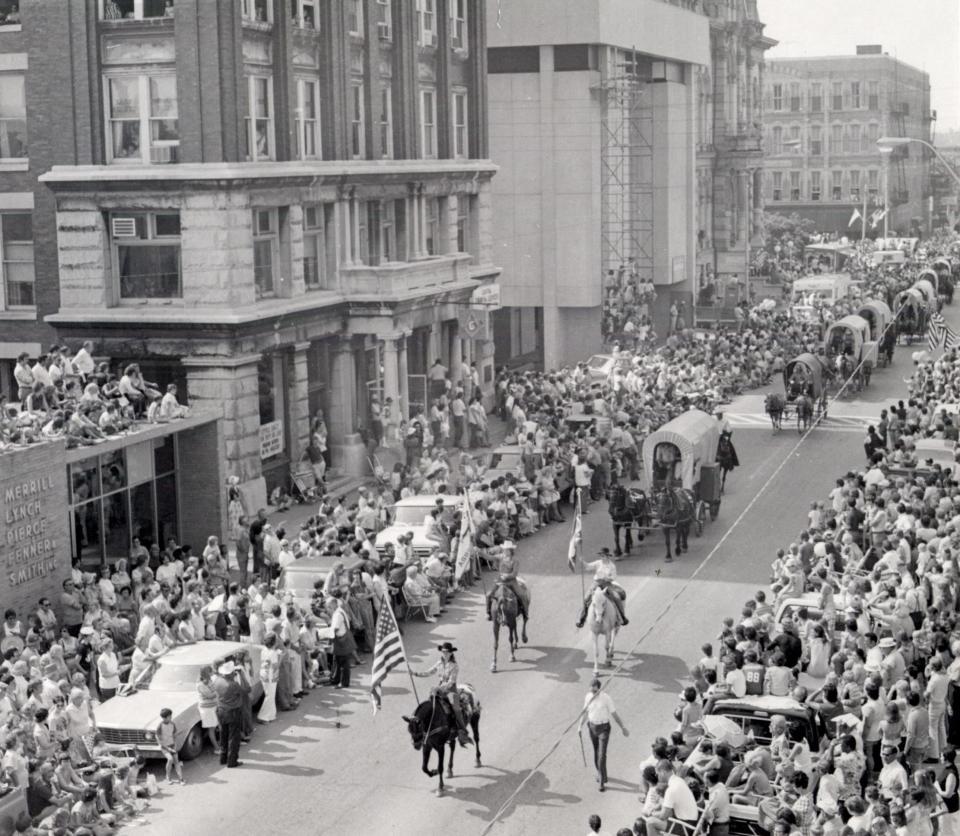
(775, 405)
(676, 511)
(504, 608)
(604, 620)
(804, 413)
(627, 508)
(726, 458)
(433, 726)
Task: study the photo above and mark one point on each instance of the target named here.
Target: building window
(357, 132)
(836, 185)
(794, 185)
(873, 134)
(308, 120)
(815, 185)
(873, 95)
(464, 243)
(317, 221)
(854, 185)
(304, 14)
(428, 123)
(142, 119)
(388, 231)
(836, 96)
(461, 147)
(431, 228)
(259, 11)
(873, 181)
(816, 98)
(148, 254)
(385, 119)
(778, 97)
(776, 140)
(426, 22)
(13, 117)
(384, 20)
(132, 9)
(9, 14)
(458, 24)
(855, 99)
(259, 118)
(795, 97)
(16, 245)
(796, 144)
(265, 250)
(836, 139)
(355, 18)
(816, 140)
(777, 185)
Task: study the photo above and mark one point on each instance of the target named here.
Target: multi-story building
(822, 119)
(592, 117)
(283, 205)
(729, 144)
(945, 188)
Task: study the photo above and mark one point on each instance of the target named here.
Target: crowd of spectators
(67, 394)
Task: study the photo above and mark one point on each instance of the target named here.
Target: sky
(924, 33)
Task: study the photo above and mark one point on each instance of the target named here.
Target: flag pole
(403, 650)
(579, 544)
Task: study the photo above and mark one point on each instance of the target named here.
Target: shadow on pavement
(668, 673)
(489, 797)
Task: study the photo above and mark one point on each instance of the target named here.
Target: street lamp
(886, 144)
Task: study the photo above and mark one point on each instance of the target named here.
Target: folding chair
(414, 604)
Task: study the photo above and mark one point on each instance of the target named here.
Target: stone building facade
(283, 207)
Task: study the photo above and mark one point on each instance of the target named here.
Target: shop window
(16, 246)
(84, 480)
(87, 532)
(426, 22)
(164, 458)
(357, 131)
(9, 13)
(167, 516)
(317, 224)
(147, 245)
(458, 112)
(116, 526)
(265, 250)
(304, 14)
(13, 117)
(142, 119)
(143, 514)
(385, 120)
(458, 24)
(135, 9)
(308, 120)
(113, 471)
(428, 123)
(258, 11)
(258, 133)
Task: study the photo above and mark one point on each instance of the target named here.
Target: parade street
(528, 726)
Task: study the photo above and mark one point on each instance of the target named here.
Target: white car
(409, 514)
(131, 719)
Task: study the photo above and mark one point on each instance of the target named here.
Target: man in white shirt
(893, 777)
(678, 801)
(83, 360)
(598, 709)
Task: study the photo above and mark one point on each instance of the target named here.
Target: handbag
(344, 645)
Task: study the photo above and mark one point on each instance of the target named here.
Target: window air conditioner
(123, 227)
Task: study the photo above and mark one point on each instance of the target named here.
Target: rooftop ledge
(181, 172)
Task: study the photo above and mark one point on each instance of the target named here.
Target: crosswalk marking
(841, 423)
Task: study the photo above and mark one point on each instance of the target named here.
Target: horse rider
(509, 569)
(447, 669)
(605, 578)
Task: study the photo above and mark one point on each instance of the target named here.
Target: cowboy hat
(887, 643)
(447, 647)
(226, 668)
(508, 544)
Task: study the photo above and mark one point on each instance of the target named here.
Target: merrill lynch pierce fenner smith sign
(35, 546)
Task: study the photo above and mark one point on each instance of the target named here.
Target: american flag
(576, 536)
(387, 651)
(941, 335)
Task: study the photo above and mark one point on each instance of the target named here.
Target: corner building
(284, 205)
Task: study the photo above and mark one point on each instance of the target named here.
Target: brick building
(284, 206)
(822, 119)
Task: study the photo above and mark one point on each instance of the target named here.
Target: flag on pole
(856, 216)
(876, 217)
(576, 537)
(464, 545)
(941, 335)
(387, 651)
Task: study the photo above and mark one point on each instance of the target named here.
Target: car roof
(765, 702)
(428, 499)
(202, 652)
(312, 564)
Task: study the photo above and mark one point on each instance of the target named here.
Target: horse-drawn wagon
(850, 349)
(805, 393)
(944, 269)
(681, 482)
(912, 314)
(882, 329)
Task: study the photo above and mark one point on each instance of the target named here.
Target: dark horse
(726, 458)
(627, 508)
(676, 511)
(433, 727)
(505, 610)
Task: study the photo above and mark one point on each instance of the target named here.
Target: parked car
(752, 714)
(131, 719)
(408, 515)
(509, 459)
(601, 366)
(298, 578)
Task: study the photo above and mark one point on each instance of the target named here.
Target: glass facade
(122, 494)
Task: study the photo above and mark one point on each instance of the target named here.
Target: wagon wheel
(714, 509)
(701, 518)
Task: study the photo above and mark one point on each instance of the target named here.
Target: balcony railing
(399, 278)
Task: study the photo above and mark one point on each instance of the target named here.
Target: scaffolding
(626, 171)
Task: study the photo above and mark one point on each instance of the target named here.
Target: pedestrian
(598, 709)
(256, 541)
(229, 713)
(344, 646)
(595, 824)
(167, 740)
(207, 705)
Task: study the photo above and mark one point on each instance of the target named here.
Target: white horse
(604, 620)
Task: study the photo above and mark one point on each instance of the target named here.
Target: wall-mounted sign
(486, 297)
(271, 439)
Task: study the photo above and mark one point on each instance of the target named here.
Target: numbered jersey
(753, 673)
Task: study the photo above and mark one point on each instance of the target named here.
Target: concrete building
(283, 206)
(822, 118)
(729, 146)
(944, 187)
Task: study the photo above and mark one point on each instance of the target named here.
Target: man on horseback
(604, 578)
(446, 689)
(509, 569)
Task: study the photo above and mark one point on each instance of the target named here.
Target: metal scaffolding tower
(626, 170)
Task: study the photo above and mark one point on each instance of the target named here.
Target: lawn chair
(414, 604)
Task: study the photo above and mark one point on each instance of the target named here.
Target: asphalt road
(334, 767)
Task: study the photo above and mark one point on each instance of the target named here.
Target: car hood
(391, 533)
(141, 710)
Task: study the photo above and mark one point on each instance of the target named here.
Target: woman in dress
(207, 705)
(820, 649)
(269, 676)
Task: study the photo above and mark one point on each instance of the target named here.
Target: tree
(777, 229)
